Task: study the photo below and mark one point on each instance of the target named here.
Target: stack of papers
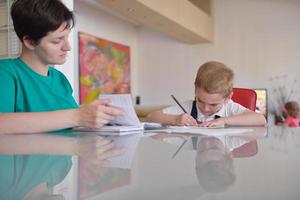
(122, 125)
(112, 130)
(123, 101)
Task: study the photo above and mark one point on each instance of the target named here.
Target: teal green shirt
(24, 90)
(20, 174)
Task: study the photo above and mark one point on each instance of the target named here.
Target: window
(9, 42)
(261, 101)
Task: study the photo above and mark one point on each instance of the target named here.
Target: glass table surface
(261, 163)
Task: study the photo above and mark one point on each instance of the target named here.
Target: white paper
(195, 127)
(208, 131)
(111, 130)
(129, 143)
(121, 125)
(123, 101)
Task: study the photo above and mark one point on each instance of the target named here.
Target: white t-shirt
(229, 108)
(229, 142)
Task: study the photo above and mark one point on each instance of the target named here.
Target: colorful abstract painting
(95, 179)
(104, 67)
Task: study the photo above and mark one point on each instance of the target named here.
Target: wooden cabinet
(189, 21)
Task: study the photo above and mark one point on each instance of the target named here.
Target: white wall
(68, 68)
(259, 39)
(92, 20)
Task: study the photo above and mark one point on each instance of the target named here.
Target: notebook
(121, 125)
(210, 131)
(115, 129)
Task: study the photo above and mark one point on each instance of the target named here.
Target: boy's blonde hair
(215, 77)
(292, 108)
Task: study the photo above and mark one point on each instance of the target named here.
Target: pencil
(179, 148)
(177, 102)
(182, 108)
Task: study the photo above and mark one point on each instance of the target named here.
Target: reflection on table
(260, 164)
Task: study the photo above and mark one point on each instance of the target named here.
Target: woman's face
(52, 49)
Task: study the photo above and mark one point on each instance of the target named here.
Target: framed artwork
(95, 179)
(104, 67)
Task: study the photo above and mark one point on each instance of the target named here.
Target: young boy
(214, 162)
(212, 105)
(35, 97)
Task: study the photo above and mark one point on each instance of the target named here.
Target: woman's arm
(86, 146)
(35, 122)
(93, 115)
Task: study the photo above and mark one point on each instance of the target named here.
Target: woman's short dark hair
(35, 18)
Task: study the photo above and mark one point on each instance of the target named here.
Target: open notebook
(129, 143)
(122, 125)
(210, 131)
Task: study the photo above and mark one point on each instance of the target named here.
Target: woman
(34, 96)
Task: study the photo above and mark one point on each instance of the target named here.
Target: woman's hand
(97, 114)
(95, 153)
(97, 148)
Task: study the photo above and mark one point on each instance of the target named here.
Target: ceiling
(186, 20)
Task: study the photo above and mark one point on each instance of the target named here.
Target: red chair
(245, 97)
(247, 150)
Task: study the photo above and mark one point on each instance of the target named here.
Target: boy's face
(207, 103)
(52, 49)
(211, 148)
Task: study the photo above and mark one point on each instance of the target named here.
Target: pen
(178, 103)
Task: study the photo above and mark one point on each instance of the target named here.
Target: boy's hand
(185, 120)
(220, 122)
(97, 114)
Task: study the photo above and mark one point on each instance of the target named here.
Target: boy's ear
(29, 44)
(230, 96)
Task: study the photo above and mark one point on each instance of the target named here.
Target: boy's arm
(159, 117)
(247, 118)
(93, 115)
(168, 119)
